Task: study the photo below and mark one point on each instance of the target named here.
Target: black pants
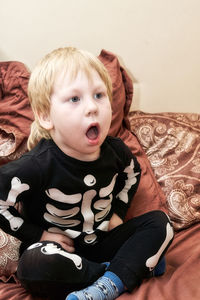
(133, 250)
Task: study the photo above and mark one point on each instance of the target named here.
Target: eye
(74, 99)
(98, 95)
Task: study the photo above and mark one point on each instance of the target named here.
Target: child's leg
(143, 240)
(46, 269)
(139, 255)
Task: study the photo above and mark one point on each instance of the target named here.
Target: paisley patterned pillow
(9, 255)
(172, 144)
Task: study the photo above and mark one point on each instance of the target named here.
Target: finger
(68, 241)
(68, 248)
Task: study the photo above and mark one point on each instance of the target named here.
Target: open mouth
(92, 132)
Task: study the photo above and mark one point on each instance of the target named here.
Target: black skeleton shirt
(58, 193)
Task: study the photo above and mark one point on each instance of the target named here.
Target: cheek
(109, 113)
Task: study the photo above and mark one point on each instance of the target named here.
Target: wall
(158, 41)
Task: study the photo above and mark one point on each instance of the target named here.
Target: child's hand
(62, 239)
(114, 222)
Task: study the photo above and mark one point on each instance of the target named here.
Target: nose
(91, 107)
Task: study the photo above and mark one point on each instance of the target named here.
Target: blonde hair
(68, 60)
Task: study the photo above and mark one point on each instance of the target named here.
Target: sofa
(167, 146)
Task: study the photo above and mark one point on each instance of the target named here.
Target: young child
(74, 188)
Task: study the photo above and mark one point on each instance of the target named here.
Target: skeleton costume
(61, 194)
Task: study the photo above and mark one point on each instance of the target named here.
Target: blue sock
(107, 287)
(160, 268)
(107, 264)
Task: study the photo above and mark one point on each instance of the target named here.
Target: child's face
(80, 115)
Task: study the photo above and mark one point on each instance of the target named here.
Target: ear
(45, 121)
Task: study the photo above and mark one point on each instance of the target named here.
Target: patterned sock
(107, 287)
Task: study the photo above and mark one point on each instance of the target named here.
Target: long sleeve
(15, 185)
(127, 180)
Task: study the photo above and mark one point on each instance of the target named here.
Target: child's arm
(127, 180)
(19, 180)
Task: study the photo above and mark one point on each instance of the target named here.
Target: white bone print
(61, 222)
(68, 213)
(104, 206)
(59, 216)
(153, 260)
(59, 196)
(131, 180)
(90, 180)
(16, 188)
(50, 249)
(62, 218)
(105, 191)
(86, 211)
(103, 226)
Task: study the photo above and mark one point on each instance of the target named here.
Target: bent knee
(162, 221)
(159, 217)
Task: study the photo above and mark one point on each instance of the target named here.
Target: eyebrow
(100, 86)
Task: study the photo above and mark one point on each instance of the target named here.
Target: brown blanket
(15, 112)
